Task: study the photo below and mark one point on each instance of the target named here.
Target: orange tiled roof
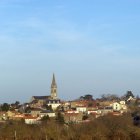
(30, 117)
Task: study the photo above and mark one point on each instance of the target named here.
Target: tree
(28, 109)
(48, 107)
(5, 107)
(60, 118)
(45, 118)
(17, 103)
(81, 97)
(128, 94)
(109, 97)
(86, 97)
(85, 117)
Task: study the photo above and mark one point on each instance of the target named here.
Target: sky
(92, 47)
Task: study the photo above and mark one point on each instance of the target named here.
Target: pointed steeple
(53, 82)
(53, 88)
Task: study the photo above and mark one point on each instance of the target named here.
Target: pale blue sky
(92, 46)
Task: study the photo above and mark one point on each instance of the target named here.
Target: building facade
(39, 101)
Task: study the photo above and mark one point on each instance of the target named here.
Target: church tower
(53, 88)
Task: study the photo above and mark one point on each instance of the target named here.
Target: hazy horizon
(92, 46)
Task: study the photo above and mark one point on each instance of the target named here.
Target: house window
(116, 107)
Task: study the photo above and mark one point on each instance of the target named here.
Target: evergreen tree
(128, 94)
(5, 107)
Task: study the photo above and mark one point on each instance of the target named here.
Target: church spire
(53, 88)
(53, 82)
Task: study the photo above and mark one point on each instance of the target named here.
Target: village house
(3, 115)
(18, 116)
(73, 117)
(123, 105)
(93, 115)
(116, 106)
(94, 112)
(35, 112)
(76, 103)
(106, 110)
(82, 109)
(38, 112)
(38, 101)
(14, 115)
(92, 108)
(54, 103)
(130, 99)
(72, 111)
(119, 106)
(65, 105)
(32, 120)
(11, 114)
(47, 113)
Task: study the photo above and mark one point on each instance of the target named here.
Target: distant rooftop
(41, 97)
